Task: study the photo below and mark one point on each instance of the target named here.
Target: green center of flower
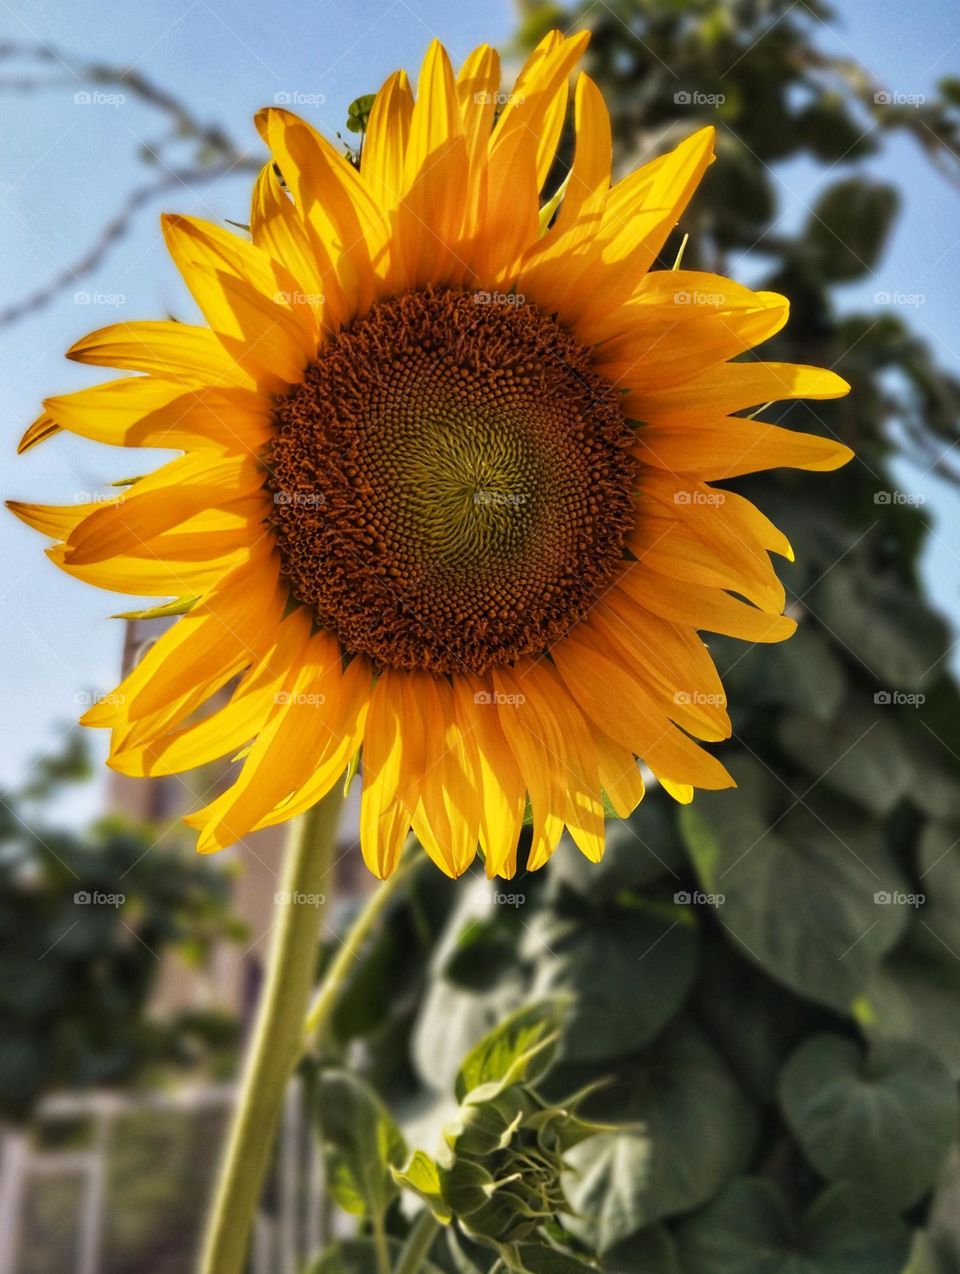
(451, 483)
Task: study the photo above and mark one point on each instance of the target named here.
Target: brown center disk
(451, 483)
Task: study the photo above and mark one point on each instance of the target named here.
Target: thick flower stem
(277, 1043)
(418, 1244)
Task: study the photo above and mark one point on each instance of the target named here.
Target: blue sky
(66, 166)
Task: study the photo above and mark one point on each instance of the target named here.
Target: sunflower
(444, 496)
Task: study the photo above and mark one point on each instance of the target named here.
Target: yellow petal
(430, 214)
(694, 704)
(347, 724)
(385, 143)
(619, 774)
(230, 628)
(343, 218)
(732, 387)
(245, 296)
(702, 607)
(174, 351)
(530, 738)
(142, 411)
(55, 520)
(226, 729)
(285, 751)
(384, 820)
(733, 446)
(618, 704)
(553, 265)
(43, 427)
(663, 344)
(175, 494)
(499, 785)
(276, 227)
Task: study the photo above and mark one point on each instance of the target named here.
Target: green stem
(418, 1244)
(380, 1244)
(277, 1043)
(336, 975)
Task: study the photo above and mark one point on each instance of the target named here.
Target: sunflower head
(444, 496)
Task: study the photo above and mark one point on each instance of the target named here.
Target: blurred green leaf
(420, 1174)
(691, 1129)
(748, 1230)
(848, 228)
(884, 1121)
(915, 996)
(361, 1143)
(358, 112)
(520, 1049)
(628, 971)
(653, 1251)
(799, 888)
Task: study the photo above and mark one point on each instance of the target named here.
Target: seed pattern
(451, 483)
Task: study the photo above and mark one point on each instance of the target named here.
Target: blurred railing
(39, 1236)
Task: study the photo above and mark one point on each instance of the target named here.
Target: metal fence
(73, 1202)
